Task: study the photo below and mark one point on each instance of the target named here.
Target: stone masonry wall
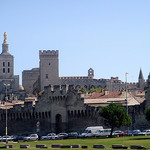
(61, 109)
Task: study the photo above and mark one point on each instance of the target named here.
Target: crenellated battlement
(132, 83)
(61, 89)
(57, 93)
(74, 77)
(48, 52)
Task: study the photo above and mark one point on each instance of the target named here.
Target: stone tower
(141, 81)
(7, 77)
(49, 68)
(147, 92)
(91, 73)
(6, 61)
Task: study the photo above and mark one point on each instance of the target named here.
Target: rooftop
(104, 98)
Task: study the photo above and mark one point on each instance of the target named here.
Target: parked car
(128, 132)
(20, 137)
(136, 132)
(50, 136)
(8, 138)
(62, 135)
(72, 135)
(1, 138)
(145, 132)
(31, 137)
(117, 132)
(15, 137)
(102, 132)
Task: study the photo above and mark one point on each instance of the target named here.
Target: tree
(115, 116)
(147, 113)
(92, 90)
(82, 90)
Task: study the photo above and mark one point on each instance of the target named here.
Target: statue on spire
(5, 37)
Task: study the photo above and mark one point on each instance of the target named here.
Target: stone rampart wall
(64, 102)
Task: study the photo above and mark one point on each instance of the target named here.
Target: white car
(8, 138)
(102, 132)
(118, 132)
(145, 132)
(31, 137)
(50, 136)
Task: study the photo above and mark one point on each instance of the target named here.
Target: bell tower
(91, 73)
(8, 81)
(6, 60)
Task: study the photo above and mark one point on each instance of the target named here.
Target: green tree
(92, 90)
(147, 113)
(105, 89)
(99, 90)
(82, 90)
(115, 116)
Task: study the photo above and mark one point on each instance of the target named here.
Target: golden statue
(5, 37)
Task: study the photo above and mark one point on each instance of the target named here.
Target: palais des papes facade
(59, 107)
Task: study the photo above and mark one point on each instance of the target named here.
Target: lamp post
(126, 90)
(6, 85)
(126, 95)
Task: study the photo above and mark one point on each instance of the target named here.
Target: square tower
(49, 68)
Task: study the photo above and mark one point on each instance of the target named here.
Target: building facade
(49, 74)
(9, 83)
(29, 78)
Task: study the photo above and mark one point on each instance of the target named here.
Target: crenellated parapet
(26, 113)
(76, 113)
(48, 53)
(74, 77)
(57, 93)
(64, 96)
(58, 89)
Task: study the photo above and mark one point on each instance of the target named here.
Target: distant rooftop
(104, 98)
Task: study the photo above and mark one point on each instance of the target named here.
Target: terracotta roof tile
(113, 94)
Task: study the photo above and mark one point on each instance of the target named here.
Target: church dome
(21, 88)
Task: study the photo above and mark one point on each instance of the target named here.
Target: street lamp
(126, 95)
(126, 90)
(6, 85)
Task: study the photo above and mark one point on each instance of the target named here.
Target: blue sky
(110, 36)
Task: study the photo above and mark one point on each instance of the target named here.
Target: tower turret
(141, 81)
(5, 45)
(91, 73)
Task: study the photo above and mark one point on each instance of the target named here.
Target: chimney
(106, 92)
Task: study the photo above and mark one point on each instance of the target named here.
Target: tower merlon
(49, 52)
